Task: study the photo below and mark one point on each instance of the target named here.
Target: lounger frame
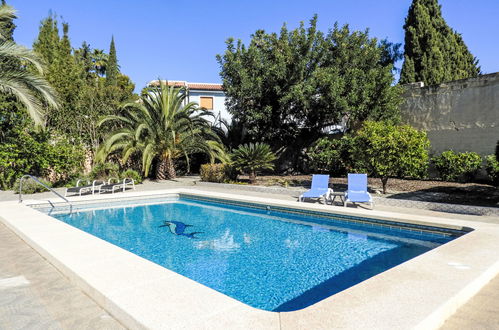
(83, 189)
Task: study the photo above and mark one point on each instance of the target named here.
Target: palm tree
(29, 88)
(99, 59)
(251, 158)
(162, 128)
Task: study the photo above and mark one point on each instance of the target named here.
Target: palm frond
(11, 50)
(7, 14)
(29, 90)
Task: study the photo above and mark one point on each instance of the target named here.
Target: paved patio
(34, 295)
(481, 312)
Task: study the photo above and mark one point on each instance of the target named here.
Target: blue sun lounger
(357, 190)
(320, 188)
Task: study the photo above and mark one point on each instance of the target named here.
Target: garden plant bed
(422, 190)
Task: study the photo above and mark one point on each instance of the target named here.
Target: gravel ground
(423, 190)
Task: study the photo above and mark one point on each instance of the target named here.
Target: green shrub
(35, 154)
(64, 161)
(453, 166)
(7, 178)
(11, 165)
(31, 187)
(253, 157)
(492, 168)
(104, 171)
(131, 174)
(214, 173)
(385, 150)
(331, 156)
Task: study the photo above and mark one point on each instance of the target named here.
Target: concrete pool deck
(326, 313)
(35, 295)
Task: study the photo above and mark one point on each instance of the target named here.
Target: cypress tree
(433, 51)
(64, 73)
(112, 69)
(47, 42)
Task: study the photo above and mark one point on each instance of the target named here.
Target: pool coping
(420, 293)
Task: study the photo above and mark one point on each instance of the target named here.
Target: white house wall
(219, 109)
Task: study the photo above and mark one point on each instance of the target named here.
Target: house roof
(189, 85)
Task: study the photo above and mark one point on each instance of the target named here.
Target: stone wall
(461, 115)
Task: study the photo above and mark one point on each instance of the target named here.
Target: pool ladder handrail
(27, 176)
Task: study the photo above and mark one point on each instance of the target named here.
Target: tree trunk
(252, 177)
(165, 169)
(384, 181)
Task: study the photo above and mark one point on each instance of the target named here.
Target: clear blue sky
(178, 40)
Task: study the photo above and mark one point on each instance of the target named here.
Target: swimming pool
(270, 258)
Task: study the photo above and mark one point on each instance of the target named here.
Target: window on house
(206, 102)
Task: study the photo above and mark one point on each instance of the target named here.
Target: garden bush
(11, 165)
(64, 161)
(332, 156)
(34, 154)
(492, 168)
(104, 171)
(385, 150)
(31, 186)
(453, 166)
(131, 174)
(215, 173)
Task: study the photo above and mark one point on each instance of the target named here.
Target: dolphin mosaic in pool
(178, 228)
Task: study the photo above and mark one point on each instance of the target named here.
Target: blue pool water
(270, 260)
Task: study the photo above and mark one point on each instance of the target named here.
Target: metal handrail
(44, 185)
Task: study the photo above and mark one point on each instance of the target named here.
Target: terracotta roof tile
(203, 86)
(197, 86)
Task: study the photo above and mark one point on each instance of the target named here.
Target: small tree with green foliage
(253, 157)
(386, 150)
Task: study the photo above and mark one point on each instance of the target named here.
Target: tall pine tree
(434, 52)
(112, 69)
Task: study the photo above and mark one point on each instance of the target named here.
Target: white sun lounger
(84, 189)
(117, 185)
